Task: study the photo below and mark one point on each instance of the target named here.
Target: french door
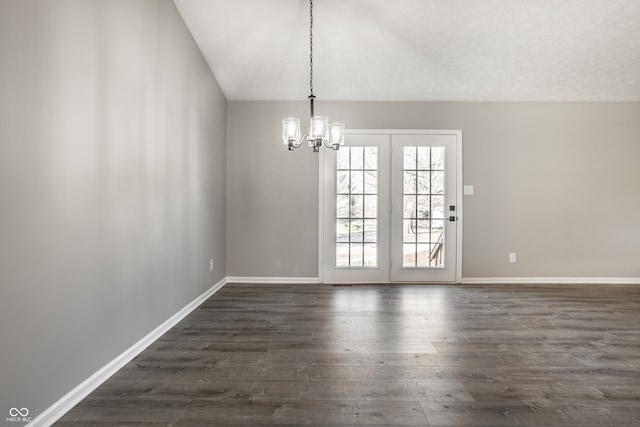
(391, 208)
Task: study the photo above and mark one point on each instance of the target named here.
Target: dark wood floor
(317, 355)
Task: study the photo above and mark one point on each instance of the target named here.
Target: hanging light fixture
(320, 132)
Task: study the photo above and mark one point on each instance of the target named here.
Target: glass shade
(337, 134)
(318, 129)
(290, 130)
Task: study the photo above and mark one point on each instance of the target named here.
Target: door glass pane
(424, 161)
(371, 206)
(437, 228)
(409, 255)
(409, 158)
(342, 242)
(409, 233)
(437, 158)
(357, 199)
(409, 182)
(342, 182)
(355, 255)
(422, 255)
(357, 229)
(437, 256)
(342, 206)
(437, 207)
(342, 159)
(423, 182)
(371, 158)
(357, 158)
(357, 182)
(409, 206)
(423, 209)
(437, 182)
(342, 231)
(370, 255)
(370, 230)
(371, 182)
(423, 231)
(342, 255)
(357, 207)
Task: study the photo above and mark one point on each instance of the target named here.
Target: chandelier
(320, 132)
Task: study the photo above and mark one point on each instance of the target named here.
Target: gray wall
(557, 183)
(112, 185)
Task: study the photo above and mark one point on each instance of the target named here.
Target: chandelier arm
(302, 141)
(327, 144)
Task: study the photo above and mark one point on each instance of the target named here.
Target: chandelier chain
(311, 46)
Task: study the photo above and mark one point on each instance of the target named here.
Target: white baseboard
(553, 280)
(284, 280)
(71, 399)
(465, 280)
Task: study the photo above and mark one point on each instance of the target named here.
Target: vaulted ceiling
(422, 50)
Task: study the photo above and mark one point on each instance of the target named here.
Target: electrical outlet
(512, 257)
(211, 264)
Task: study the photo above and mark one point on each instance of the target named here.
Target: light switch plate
(468, 190)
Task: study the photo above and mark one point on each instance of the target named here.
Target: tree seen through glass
(423, 206)
(357, 207)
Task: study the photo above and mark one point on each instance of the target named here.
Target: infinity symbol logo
(14, 412)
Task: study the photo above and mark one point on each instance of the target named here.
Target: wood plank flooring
(399, 355)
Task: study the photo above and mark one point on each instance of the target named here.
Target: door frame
(390, 132)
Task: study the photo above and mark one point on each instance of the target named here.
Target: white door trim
(459, 193)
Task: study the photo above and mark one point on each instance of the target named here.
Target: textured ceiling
(422, 50)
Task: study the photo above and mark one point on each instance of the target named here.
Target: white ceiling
(422, 50)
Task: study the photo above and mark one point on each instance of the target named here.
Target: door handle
(453, 218)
